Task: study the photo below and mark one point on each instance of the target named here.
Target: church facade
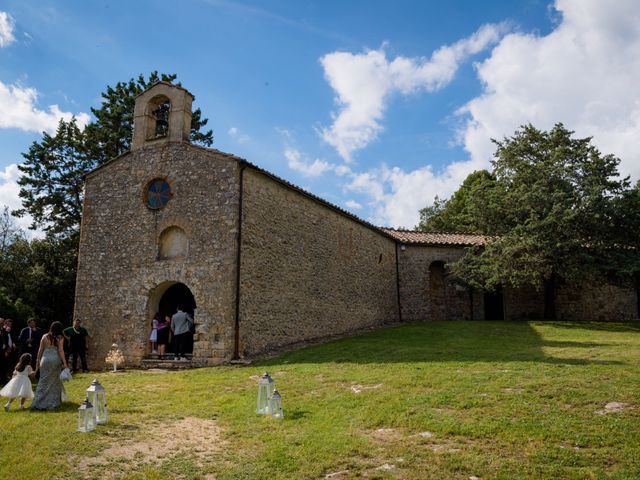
(260, 263)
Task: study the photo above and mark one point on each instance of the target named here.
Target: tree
(459, 213)
(9, 231)
(555, 207)
(625, 257)
(37, 278)
(52, 180)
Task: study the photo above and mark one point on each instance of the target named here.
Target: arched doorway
(494, 305)
(165, 300)
(438, 291)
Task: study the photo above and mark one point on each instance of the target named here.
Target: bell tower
(162, 114)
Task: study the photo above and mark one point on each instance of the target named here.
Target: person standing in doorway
(164, 328)
(180, 326)
(77, 336)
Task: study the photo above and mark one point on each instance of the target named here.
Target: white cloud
(353, 204)
(304, 166)
(9, 190)
(236, 134)
(6, 29)
(363, 83)
(18, 110)
(396, 195)
(584, 74)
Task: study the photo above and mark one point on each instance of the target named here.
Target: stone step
(166, 362)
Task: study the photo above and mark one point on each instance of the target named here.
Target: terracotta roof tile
(430, 238)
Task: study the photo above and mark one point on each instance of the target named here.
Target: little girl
(20, 385)
(153, 338)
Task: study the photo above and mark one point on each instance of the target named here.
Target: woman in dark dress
(164, 329)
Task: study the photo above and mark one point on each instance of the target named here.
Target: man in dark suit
(3, 358)
(10, 349)
(77, 336)
(29, 340)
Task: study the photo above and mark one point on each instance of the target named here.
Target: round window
(158, 193)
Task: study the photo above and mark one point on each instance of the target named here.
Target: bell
(161, 114)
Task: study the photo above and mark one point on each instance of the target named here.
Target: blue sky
(375, 106)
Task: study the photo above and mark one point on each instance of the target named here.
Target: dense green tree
(459, 213)
(37, 278)
(555, 213)
(52, 179)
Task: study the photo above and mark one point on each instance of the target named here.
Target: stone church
(258, 262)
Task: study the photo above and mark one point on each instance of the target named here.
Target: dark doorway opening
(494, 305)
(438, 291)
(178, 294)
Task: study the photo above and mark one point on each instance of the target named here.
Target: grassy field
(441, 400)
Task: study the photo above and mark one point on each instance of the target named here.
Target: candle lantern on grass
(266, 386)
(98, 396)
(275, 405)
(86, 420)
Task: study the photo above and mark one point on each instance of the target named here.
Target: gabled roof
(434, 239)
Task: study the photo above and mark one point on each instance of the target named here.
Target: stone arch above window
(173, 244)
(158, 111)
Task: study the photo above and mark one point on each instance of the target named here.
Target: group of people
(11, 345)
(163, 327)
(40, 357)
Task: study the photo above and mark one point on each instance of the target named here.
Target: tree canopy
(458, 213)
(559, 211)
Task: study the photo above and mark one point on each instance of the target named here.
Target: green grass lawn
(442, 400)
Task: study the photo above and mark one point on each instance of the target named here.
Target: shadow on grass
(296, 414)
(63, 408)
(442, 341)
(599, 326)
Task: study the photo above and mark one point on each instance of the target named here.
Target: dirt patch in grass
(614, 407)
(361, 388)
(191, 437)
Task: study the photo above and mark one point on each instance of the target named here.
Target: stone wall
(601, 301)
(422, 297)
(523, 304)
(120, 274)
(421, 301)
(307, 271)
